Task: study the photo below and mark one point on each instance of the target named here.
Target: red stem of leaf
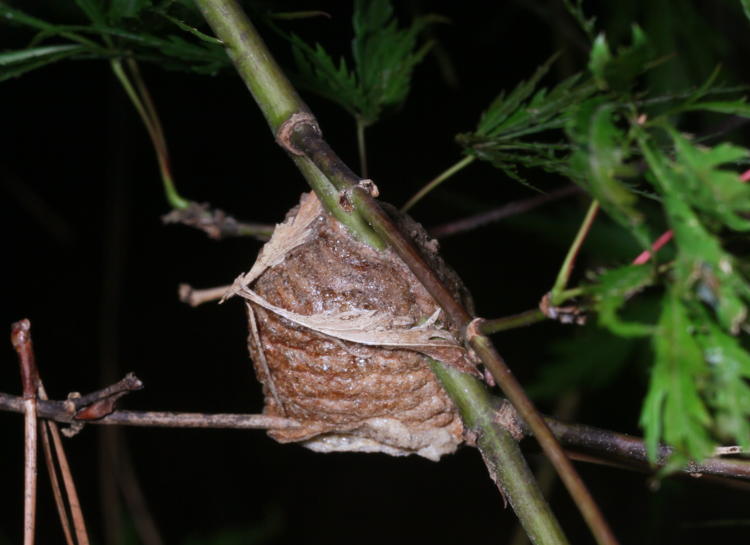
(665, 237)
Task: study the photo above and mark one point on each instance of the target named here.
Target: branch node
(72, 429)
(369, 186)
(570, 314)
(345, 200)
(474, 329)
(287, 128)
(507, 417)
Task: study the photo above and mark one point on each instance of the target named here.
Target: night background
(90, 263)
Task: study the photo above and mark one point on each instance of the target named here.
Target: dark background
(89, 262)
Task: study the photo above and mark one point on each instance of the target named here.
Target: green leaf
(618, 72)
(673, 410)
(94, 10)
(703, 269)
(175, 52)
(503, 128)
(746, 7)
(192, 30)
(12, 57)
(510, 110)
(293, 15)
(384, 55)
(728, 391)
(320, 74)
(599, 162)
(126, 9)
(610, 293)
(715, 191)
(384, 58)
(16, 16)
(734, 107)
(600, 57)
(576, 11)
(12, 69)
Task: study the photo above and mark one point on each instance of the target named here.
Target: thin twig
(34, 391)
(440, 178)
(65, 413)
(130, 383)
(193, 297)
(361, 147)
(568, 475)
(143, 104)
(529, 317)
(153, 127)
(604, 442)
(511, 474)
(216, 223)
(645, 256)
(76, 512)
(565, 409)
(632, 450)
(29, 471)
(501, 212)
(566, 269)
(666, 236)
(21, 339)
(55, 482)
(197, 420)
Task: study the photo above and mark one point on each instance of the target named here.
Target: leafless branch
(65, 412)
(216, 223)
(501, 212)
(194, 297)
(631, 451)
(603, 446)
(76, 512)
(55, 481)
(20, 337)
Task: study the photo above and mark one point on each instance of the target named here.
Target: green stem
(150, 120)
(547, 441)
(160, 141)
(529, 317)
(466, 161)
(330, 197)
(271, 90)
(502, 455)
(277, 99)
(362, 147)
(557, 295)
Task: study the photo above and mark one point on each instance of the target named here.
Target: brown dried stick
(34, 392)
(55, 482)
(76, 512)
(193, 297)
(608, 444)
(65, 412)
(216, 223)
(21, 339)
(501, 212)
